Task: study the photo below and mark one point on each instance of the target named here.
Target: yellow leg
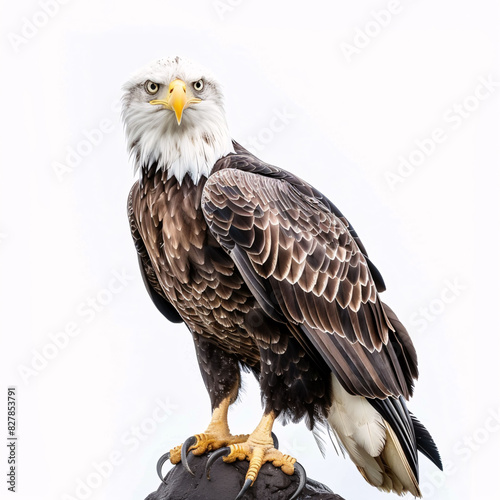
(216, 436)
(259, 448)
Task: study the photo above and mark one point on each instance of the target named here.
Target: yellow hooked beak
(177, 99)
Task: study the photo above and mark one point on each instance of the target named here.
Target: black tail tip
(425, 443)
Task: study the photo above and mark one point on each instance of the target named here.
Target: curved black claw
(159, 465)
(276, 443)
(213, 457)
(243, 490)
(190, 441)
(301, 472)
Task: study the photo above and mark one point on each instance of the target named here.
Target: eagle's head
(174, 119)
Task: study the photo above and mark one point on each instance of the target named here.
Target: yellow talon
(259, 449)
(216, 436)
(210, 442)
(255, 464)
(175, 455)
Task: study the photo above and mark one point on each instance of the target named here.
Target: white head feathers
(153, 134)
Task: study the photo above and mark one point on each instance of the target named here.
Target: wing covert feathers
(304, 249)
(305, 267)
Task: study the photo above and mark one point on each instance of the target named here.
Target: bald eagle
(270, 277)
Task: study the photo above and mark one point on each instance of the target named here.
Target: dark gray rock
(226, 481)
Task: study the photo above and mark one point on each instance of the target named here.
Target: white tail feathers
(370, 442)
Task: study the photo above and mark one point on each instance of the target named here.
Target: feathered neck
(155, 140)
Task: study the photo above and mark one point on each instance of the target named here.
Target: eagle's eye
(198, 85)
(151, 87)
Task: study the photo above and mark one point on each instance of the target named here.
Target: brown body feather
(186, 263)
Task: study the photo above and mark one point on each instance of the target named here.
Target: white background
(434, 235)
